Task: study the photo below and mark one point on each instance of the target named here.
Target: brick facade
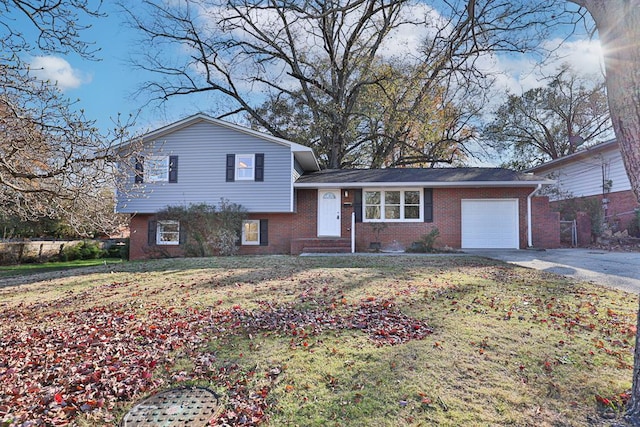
(288, 232)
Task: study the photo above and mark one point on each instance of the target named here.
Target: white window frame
(156, 169)
(382, 205)
(239, 158)
(244, 236)
(160, 233)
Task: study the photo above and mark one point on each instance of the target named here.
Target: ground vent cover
(185, 406)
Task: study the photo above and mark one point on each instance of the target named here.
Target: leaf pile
(57, 365)
(380, 320)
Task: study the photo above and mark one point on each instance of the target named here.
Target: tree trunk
(618, 24)
(633, 407)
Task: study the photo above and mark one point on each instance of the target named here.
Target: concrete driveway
(620, 270)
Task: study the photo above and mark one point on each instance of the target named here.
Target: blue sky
(107, 87)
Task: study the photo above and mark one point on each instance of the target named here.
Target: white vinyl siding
(584, 177)
(490, 223)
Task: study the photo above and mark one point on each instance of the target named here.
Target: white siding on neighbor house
(584, 176)
(202, 150)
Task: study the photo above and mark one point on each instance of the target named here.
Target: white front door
(329, 213)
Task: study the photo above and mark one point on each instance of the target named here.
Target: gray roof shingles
(417, 175)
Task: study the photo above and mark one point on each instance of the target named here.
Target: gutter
(529, 220)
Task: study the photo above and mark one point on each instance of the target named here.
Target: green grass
(510, 346)
(23, 269)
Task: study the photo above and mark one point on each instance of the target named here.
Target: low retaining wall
(33, 250)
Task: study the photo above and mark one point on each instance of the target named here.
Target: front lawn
(345, 341)
(33, 268)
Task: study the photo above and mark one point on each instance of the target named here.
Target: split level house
(293, 206)
(595, 173)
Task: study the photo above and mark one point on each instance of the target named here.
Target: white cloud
(59, 71)
(521, 73)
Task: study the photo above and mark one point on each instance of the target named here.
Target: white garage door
(490, 223)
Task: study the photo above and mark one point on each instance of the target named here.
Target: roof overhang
(430, 184)
(602, 147)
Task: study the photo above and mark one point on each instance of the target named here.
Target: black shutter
(139, 170)
(173, 168)
(231, 167)
(428, 205)
(259, 172)
(264, 232)
(357, 204)
(182, 233)
(151, 230)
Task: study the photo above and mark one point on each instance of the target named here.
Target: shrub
(634, 225)
(209, 229)
(86, 249)
(426, 243)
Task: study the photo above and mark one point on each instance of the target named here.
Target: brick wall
(620, 209)
(447, 217)
(545, 230)
(284, 229)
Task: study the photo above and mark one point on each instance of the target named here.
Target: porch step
(321, 245)
(327, 250)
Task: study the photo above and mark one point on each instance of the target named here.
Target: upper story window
(168, 233)
(156, 169)
(392, 205)
(245, 167)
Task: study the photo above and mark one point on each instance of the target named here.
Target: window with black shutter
(259, 171)
(231, 167)
(428, 205)
(139, 170)
(173, 169)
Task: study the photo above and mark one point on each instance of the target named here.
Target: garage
(490, 223)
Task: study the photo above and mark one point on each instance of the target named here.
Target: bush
(86, 249)
(634, 225)
(209, 230)
(118, 250)
(426, 243)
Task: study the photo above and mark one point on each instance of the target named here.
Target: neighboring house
(294, 207)
(594, 173)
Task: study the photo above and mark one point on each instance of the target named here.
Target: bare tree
(550, 122)
(54, 162)
(618, 25)
(394, 123)
(323, 56)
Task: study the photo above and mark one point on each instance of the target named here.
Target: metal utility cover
(187, 406)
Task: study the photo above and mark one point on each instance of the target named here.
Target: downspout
(353, 232)
(529, 220)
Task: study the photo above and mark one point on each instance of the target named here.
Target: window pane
(411, 197)
(251, 232)
(392, 212)
(168, 233)
(412, 212)
(372, 197)
(156, 168)
(392, 198)
(244, 166)
(372, 212)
